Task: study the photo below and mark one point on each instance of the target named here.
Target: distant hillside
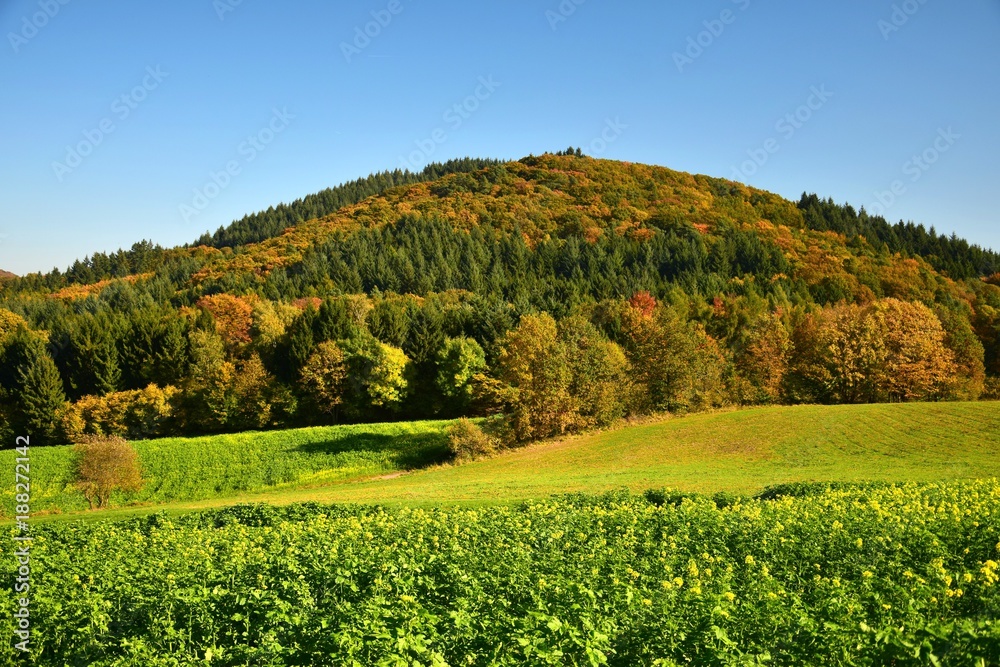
(649, 290)
(6, 275)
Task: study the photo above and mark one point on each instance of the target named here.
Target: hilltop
(549, 196)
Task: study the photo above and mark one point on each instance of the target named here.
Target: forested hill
(558, 202)
(621, 182)
(682, 291)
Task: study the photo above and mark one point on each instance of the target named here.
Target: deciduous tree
(534, 362)
(458, 361)
(323, 377)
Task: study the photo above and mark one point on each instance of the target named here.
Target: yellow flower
(749, 560)
(729, 595)
(989, 571)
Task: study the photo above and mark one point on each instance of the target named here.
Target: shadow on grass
(406, 451)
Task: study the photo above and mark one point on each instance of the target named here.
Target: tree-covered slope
(272, 222)
(630, 288)
(570, 198)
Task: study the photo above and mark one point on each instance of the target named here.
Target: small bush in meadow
(467, 441)
(105, 465)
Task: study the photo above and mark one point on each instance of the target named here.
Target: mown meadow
(800, 575)
(739, 451)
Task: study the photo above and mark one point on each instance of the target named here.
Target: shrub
(105, 465)
(467, 441)
(992, 390)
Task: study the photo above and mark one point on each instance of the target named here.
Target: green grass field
(739, 451)
(230, 466)
(451, 570)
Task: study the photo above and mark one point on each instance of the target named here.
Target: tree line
(951, 255)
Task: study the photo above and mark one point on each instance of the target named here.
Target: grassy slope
(735, 451)
(229, 466)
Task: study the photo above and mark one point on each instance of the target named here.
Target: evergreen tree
(40, 397)
(91, 357)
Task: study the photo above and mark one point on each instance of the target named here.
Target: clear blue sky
(895, 94)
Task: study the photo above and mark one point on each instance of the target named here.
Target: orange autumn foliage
(233, 317)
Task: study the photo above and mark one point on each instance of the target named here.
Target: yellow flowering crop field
(879, 574)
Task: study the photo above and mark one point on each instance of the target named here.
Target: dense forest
(562, 291)
(144, 256)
